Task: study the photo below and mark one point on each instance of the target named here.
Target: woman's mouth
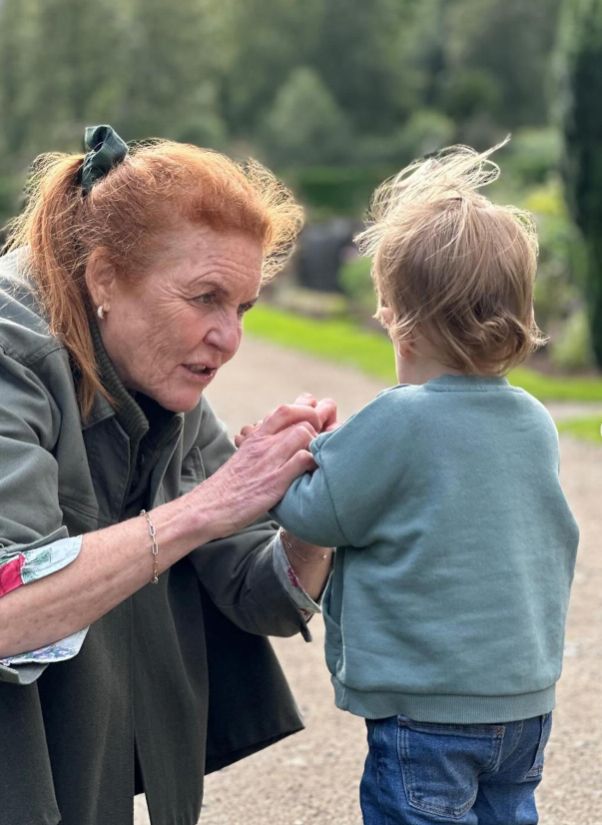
(200, 372)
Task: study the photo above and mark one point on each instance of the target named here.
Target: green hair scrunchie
(104, 150)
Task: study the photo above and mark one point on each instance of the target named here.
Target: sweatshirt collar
(467, 382)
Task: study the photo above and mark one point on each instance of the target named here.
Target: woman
(130, 529)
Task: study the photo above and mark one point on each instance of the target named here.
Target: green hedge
(341, 190)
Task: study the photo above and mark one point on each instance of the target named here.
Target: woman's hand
(271, 455)
(326, 410)
(116, 561)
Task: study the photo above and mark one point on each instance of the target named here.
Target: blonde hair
(451, 265)
(159, 184)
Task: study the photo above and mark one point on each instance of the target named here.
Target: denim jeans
(418, 773)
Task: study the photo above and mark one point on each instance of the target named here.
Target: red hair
(158, 185)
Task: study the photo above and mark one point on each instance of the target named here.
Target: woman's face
(169, 332)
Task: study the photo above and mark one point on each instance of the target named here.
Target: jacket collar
(124, 407)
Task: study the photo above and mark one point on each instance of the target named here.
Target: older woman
(130, 529)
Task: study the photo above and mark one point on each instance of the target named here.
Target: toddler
(446, 608)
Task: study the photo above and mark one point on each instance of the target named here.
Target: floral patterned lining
(18, 568)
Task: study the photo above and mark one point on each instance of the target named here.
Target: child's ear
(406, 348)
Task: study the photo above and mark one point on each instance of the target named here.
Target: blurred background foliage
(336, 95)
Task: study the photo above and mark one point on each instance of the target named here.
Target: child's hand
(245, 432)
(325, 407)
(326, 410)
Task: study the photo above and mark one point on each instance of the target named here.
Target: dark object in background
(322, 250)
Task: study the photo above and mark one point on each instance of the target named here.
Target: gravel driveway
(312, 777)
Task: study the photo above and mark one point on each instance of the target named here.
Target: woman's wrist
(180, 526)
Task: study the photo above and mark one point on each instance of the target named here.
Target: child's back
(455, 552)
(446, 609)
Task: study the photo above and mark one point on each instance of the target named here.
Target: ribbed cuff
(289, 580)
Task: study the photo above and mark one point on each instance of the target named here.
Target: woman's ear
(100, 278)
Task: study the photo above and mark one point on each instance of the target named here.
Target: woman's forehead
(192, 240)
(200, 254)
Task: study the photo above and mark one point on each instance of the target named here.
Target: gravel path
(312, 777)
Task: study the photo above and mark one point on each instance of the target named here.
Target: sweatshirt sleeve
(340, 502)
(308, 510)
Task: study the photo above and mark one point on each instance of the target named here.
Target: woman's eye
(244, 308)
(205, 298)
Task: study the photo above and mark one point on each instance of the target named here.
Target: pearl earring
(101, 312)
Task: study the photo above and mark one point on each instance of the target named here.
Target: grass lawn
(343, 343)
(586, 429)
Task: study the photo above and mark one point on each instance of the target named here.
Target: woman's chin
(184, 403)
(181, 401)
(181, 395)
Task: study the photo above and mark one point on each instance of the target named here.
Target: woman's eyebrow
(204, 282)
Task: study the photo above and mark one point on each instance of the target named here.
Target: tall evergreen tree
(583, 145)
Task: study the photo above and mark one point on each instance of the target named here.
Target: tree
(507, 43)
(305, 124)
(169, 87)
(583, 145)
(61, 62)
(356, 51)
(265, 40)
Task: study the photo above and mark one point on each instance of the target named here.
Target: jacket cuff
(21, 565)
(18, 567)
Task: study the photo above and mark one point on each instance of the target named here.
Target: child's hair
(453, 266)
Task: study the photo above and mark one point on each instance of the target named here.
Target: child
(446, 608)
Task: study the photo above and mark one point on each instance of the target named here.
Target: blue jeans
(418, 773)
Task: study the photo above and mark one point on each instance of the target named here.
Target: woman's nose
(225, 335)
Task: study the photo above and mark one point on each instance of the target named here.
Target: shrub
(571, 349)
(336, 190)
(557, 292)
(469, 92)
(535, 154)
(356, 283)
(426, 131)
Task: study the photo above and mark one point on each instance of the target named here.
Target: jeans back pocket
(441, 763)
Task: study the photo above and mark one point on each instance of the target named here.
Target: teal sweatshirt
(455, 552)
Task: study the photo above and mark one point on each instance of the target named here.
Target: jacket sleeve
(33, 540)
(238, 571)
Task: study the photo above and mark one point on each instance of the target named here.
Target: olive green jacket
(181, 674)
